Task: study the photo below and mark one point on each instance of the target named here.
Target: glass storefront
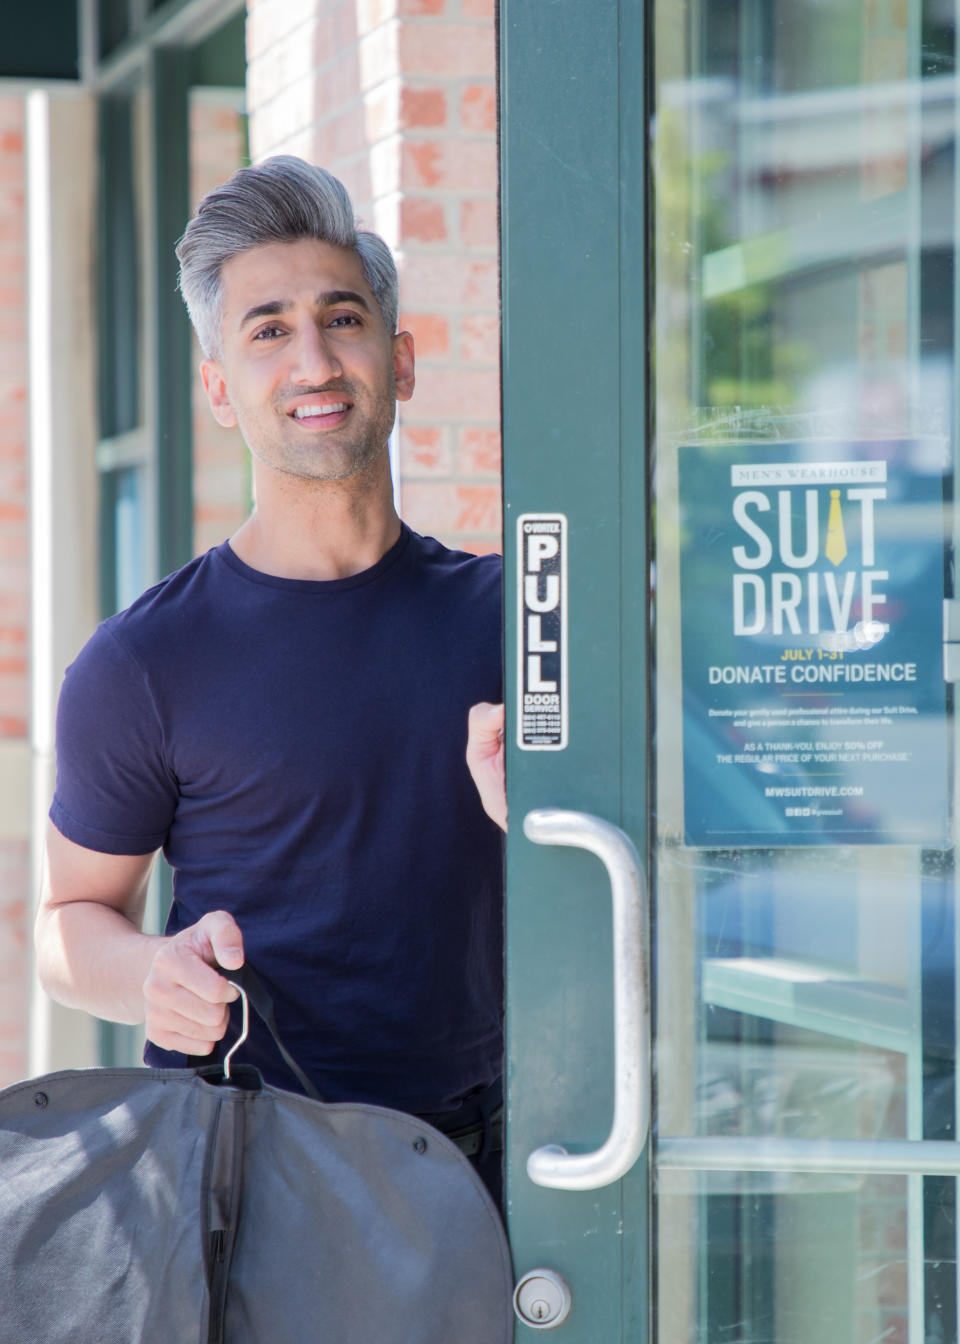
(804, 228)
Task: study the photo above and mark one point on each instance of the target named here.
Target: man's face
(308, 370)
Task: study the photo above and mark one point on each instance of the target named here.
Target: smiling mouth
(310, 412)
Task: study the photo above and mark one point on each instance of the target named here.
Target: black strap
(259, 999)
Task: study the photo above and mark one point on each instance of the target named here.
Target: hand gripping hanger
(254, 994)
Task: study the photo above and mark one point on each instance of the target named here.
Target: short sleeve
(114, 792)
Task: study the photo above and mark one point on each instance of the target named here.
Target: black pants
(477, 1123)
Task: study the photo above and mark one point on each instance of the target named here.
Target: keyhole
(541, 1299)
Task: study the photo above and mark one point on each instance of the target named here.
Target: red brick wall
(14, 579)
(14, 484)
(398, 98)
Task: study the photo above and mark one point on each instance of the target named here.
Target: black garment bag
(173, 1206)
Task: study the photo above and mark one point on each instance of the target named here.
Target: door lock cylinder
(542, 1299)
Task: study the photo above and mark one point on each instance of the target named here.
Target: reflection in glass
(804, 224)
(806, 1259)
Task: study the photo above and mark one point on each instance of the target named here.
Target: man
(285, 716)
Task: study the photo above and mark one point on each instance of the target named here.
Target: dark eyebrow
(330, 297)
(326, 299)
(272, 309)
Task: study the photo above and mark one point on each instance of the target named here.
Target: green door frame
(574, 248)
(174, 416)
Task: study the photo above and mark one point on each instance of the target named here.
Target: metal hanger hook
(244, 1030)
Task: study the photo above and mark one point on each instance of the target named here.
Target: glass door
(804, 202)
(730, 424)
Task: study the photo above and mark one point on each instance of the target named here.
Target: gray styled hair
(280, 200)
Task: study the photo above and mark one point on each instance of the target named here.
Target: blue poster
(814, 703)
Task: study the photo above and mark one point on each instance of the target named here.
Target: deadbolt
(542, 1299)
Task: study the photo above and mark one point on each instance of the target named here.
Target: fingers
(185, 998)
(484, 739)
(220, 934)
(172, 1030)
(485, 759)
(485, 726)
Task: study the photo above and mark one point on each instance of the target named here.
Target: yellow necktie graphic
(836, 547)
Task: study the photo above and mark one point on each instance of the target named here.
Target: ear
(403, 365)
(215, 386)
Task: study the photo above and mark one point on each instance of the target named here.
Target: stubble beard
(335, 455)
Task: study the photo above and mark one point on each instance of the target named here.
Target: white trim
(17, 86)
(60, 158)
(897, 1157)
(41, 516)
(39, 285)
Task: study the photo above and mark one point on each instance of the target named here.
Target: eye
(268, 333)
(347, 320)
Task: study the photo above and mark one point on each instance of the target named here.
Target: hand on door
(485, 759)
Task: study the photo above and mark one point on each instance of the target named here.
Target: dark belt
(476, 1126)
(470, 1139)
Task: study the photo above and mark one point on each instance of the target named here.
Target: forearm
(91, 956)
(91, 953)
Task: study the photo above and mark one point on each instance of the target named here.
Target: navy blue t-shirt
(297, 750)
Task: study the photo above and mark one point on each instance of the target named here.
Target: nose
(315, 360)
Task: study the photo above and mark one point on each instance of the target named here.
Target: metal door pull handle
(552, 1165)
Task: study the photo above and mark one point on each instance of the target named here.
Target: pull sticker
(542, 631)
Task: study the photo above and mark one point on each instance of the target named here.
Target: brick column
(398, 98)
(14, 487)
(15, 904)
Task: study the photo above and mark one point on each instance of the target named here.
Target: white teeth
(303, 411)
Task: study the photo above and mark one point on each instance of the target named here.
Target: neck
(318, 530)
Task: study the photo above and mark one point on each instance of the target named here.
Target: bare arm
(485, 759)
(93, 954)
